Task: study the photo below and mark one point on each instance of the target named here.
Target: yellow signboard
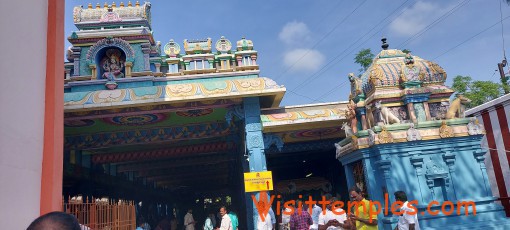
(258, 181)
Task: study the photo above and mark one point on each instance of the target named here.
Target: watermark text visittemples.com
(447, 207)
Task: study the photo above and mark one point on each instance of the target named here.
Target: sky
(309, 45)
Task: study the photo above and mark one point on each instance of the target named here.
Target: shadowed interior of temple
(162, 161)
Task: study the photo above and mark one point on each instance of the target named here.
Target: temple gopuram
(176, 125)
(173, 126)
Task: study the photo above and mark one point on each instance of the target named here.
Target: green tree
(478, 91)
(406, 51)
(364, 58)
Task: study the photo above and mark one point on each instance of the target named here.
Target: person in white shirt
(408, 220)
(263, 223)
(332, 220)
(286, 213)
(189, 222)
(208, 224)
(273, 217)
(226, 223)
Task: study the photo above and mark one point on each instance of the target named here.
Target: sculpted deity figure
(474, 127)
(410, 71)
(112, 65)
(412, 133)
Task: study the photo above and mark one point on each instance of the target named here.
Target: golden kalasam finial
(114, 5)
(121, 4)
(129, 3)
(105, 5)
(90, 6)
(98, 6)
(137, 3)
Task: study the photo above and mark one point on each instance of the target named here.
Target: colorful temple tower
(404, 134)
(182, 121)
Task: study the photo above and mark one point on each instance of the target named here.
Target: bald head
(55, 221)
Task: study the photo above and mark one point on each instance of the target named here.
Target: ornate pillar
(211, 63)
(449, 159)
(239, 61)
(385, 167)
(480, 158)
(417, 162)
(94, 71)
(255, 147)
(186, 65)
(128, 69)
(146, 48)
(68, 74)
(419, 111)
(253, 59)
(412, 115)
(158, 67)
(76, 60)
(427, 110)
(254, 138)
(349, 175)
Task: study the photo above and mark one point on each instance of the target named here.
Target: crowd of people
(333, 218)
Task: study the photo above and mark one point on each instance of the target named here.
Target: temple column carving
(417, 163)
(480, 159)
(128, 69)
(94, 71)
(449, 159)
(412, 114)
(76, 60)
(427, 110)
(254, 147)
(146, 48)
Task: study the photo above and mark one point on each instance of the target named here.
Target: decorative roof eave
(246, 52)
(270, 93)
(98, 24)
(398, 133)
(91, 41)
(193, 56)
(303, 117)
(389, 92)
(131, 31)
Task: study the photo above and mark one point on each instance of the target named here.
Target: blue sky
(309, 45)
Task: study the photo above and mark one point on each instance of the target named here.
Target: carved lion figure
(457, 107)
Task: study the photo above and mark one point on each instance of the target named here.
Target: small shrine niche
(111, 63)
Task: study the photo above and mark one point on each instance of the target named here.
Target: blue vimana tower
(405, 134)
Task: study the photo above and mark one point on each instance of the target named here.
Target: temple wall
(22, 101)
(440, 170)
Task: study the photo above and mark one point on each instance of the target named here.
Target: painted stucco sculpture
(416, 141)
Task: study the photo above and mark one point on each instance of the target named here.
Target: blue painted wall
(450, 169)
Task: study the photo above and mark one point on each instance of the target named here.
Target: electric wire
(343, 83)
(447, 51)
(320, 40)
(434, 23)
(334, 60)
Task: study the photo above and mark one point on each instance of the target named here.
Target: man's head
(55, 221)
(400, 196)
(190, 210)
(356, 193)
(331, 200)
(223, 210)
